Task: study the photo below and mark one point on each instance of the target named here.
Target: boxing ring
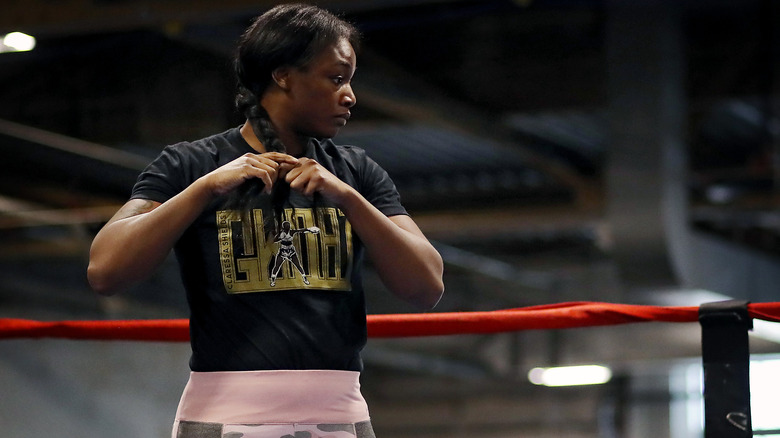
(724, 325)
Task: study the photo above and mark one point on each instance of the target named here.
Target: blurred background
(553, 150)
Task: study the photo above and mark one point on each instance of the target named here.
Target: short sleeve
(161, 180)
(378, 188)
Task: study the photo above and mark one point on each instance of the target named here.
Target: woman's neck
(295, 144)
(276, 103)
(249, 136)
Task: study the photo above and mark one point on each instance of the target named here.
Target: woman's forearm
(132, 245)
(406, 261)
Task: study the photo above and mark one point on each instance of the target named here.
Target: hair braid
(260, 121)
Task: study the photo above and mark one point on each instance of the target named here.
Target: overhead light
(17, 42)
(570, 376)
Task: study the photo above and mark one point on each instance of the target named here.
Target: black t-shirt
(262, 299)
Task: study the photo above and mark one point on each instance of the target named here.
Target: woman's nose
(348, 98)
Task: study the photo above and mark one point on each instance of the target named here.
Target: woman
(287, 251)
(272, 356)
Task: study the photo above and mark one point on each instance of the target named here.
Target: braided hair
(288, 35)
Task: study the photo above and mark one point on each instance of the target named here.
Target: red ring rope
(552, 316)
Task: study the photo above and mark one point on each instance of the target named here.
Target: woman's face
(320, 94)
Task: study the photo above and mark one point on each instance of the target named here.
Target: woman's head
(284, 43)
(287, 36)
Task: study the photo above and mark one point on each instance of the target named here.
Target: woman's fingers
(279, 157)
(264, 167)
(284, 169)
(300, 176)
(268, 166)
(309, 177)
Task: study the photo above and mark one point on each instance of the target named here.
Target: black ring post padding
(726, 361)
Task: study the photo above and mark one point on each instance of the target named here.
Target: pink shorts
(273, 404)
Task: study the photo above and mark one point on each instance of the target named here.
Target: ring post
(726, 361)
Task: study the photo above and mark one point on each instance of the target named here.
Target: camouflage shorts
(195, 429)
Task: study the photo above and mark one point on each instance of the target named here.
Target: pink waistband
(284, 396)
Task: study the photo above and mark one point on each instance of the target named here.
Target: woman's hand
(309, 177)
(266, 167)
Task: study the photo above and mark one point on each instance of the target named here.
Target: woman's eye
(338, 80)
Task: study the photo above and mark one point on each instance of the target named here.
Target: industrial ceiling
(549, 148)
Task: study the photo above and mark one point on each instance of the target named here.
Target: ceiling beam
(16, 213)
(47, 155)
(73, 146)
(74, 17)
(78, 17)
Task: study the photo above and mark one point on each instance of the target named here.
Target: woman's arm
(406, 261)
(137, 239)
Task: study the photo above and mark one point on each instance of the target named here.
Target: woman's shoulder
(207, 153)
(211, 145)
(350, 153)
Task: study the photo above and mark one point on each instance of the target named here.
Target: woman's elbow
(431, 297)
(427, 294)
(432, 288)
(100, 280)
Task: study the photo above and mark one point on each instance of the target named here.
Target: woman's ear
(281, 76)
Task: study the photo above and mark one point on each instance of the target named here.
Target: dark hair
(289, 35)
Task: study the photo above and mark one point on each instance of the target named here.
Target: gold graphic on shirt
(304, 253)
